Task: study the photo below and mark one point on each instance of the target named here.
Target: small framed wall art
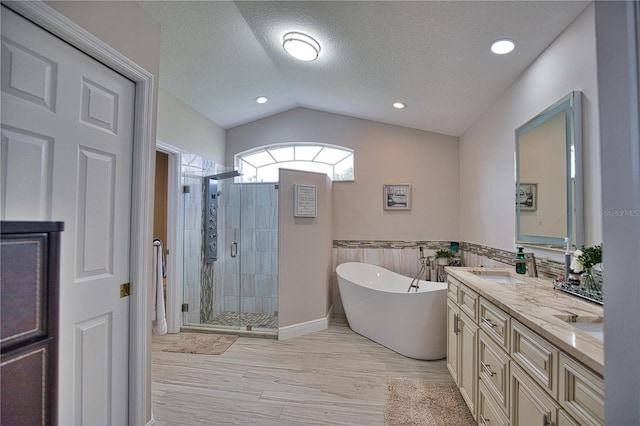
(396, 196)
(528, 196)
(305, 203)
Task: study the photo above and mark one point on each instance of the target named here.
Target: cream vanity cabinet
(510, 375)
(462, 331)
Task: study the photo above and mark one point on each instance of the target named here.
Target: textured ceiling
(218, 56)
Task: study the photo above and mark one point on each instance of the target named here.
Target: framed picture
(396, 196)
(305, 203)
(528, 196)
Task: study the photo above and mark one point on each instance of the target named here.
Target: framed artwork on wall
(528, 196)
(396, 196)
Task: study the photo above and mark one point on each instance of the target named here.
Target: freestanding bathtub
(378, 306)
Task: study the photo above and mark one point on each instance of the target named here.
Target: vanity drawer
(488, 412)
(581, 392)
(493, 370)
(495, 322)
(452, 288)
(536, 356)
(468, 301)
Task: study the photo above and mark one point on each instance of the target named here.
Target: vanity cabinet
(530, 404)
(462, 331)
(510, 375)
(29, 322)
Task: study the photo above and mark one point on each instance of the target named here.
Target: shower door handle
(234, 249)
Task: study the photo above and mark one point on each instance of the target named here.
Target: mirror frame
(571, 107)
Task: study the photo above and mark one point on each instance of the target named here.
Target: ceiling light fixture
(502, 47)
(261, 100)
(399, 105)
(301, 46)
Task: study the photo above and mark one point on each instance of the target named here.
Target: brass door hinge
(125, 289)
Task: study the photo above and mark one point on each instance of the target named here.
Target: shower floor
(230, 319)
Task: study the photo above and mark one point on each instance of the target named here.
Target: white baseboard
(303, 328)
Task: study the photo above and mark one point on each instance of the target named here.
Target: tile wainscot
(522, 352)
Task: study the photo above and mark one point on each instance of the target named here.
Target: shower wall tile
(263, 194)
(263, 262)
(231, 218)
(263, 240)
(231, 284)
(266, 285)
(249, 196)
(248, 304)
(248, 217)
(231, 304)
(266, 217)
(248, 286)
(248, 240)
(248, 263)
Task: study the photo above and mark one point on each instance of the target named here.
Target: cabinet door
(452, 339)
(530, 405)
(467, 351)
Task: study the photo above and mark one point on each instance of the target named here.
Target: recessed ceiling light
(261, 99)
(301, 46)
(399, 105)
(502, 47)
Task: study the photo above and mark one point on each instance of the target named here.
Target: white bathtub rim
(423, 286)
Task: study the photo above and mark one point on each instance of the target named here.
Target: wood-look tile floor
(331, 377)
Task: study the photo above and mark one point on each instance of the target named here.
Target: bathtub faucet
(423, 270)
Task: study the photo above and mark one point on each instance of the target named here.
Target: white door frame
(141, 192)
(174, 243)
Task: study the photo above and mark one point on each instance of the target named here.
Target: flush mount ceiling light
(399, 105)
(301, 46)
(502, 47)
(261, 100)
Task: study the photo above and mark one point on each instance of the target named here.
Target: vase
(587, 280)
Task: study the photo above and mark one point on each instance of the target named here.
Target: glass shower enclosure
(230, 253)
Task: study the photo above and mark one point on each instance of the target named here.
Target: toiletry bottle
(521, 264)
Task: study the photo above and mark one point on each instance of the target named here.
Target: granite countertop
(541, 308)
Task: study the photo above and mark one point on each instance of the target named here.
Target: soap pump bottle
(521, 264)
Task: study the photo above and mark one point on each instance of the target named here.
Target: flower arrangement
(585, 257)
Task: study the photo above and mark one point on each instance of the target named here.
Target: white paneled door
(67, 139)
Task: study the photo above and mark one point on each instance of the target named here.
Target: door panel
(67, 121)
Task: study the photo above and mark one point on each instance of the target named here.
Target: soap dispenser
(521, 264)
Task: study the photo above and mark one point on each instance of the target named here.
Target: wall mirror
(548, 189)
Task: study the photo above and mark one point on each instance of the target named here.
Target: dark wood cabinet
(29, 263)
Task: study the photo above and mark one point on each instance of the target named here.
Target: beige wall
(487, 182)
(181, 126)
(383, 154)
(304, 263)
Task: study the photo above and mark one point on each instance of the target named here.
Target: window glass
(263, 164)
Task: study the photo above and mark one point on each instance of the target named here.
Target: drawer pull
(484, 421)
(488, 322)
(486, 369)
(546, 422)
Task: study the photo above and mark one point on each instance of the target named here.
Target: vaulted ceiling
(218, 56)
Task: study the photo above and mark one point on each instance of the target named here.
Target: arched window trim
(240, 157)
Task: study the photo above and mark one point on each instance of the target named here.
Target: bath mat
(415, 402)
(201, 343)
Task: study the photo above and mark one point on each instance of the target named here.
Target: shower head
(225, 175)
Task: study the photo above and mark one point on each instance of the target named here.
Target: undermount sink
(590, 325)
(596, 329)
(497, 277)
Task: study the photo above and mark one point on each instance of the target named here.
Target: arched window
(262, 164)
